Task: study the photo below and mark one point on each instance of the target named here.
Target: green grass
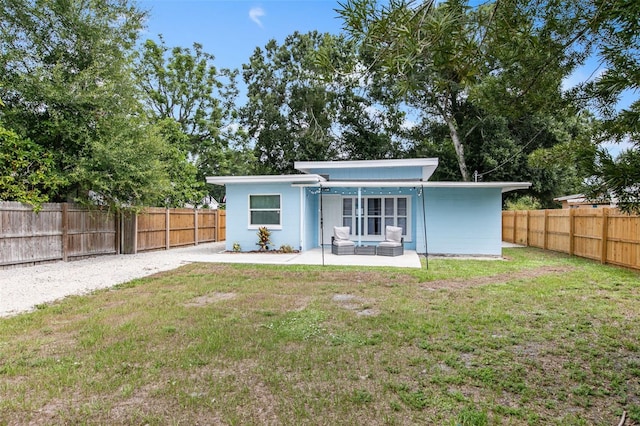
(539, 339)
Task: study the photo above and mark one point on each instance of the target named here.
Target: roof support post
(359, 224)
(302, 214)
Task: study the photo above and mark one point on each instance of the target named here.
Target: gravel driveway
(22, 288)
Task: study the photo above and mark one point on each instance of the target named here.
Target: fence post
(604, 239)
(526, 235)
(217, 222)
(118, 236)
(515, 224)
(195, 223)
(167, 229)
(65, 231)
(545, 244)
(572, 230)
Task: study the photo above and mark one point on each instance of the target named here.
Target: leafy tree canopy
(67, 83)
(184, 86)
(26, 173)
(301, 109)
(616, 28)
(465, 68)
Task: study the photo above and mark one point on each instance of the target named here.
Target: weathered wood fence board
(65, 231)
(606, 235)
(56, 232)
(90, 232)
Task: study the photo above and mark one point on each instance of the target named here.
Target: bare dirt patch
(360, 305)
(462, 283)
(210, 298)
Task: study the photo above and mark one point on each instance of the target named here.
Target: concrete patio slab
(410, 258)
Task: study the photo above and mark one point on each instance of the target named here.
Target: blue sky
(232, 29)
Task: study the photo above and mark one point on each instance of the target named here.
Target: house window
(376, 214)
(264, 210)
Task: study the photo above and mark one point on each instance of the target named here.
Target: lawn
(541, 338)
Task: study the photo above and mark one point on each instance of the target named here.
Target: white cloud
(255, 13)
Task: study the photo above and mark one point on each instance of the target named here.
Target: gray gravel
(22, 288)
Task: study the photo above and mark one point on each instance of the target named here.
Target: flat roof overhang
(504, 186)
(293, 179)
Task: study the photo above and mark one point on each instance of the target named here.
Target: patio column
(359, 224)
(302, 213)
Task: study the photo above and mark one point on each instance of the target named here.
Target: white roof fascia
(307, 166)
(366, 184)
(505, 186)
(294, 179)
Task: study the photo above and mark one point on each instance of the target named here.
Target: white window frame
(373, 237)
(249, 209)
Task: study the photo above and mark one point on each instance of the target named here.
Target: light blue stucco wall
(238, 229)
(461, 221)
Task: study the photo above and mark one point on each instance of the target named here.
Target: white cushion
(393, 233)
(389, 244)
(343, 243)
(341, 232)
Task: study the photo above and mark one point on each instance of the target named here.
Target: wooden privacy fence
(56, 232)
(159, 228)
(62, 231)
(606, 235)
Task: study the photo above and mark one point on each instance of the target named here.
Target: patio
(215, 252)
(409, 259)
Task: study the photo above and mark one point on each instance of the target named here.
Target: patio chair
(393, 244)
(340, 242)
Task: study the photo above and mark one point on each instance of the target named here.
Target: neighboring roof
(583, 199)
(580, 197)
(294, 179)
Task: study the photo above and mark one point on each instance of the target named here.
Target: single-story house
(300, 210)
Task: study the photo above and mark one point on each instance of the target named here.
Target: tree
(307, 103)
(185, 86)
(502, 59)
(27, 173)
(68, 86)
(66, 81)
(122, 166)
(617, 30)
(289, 112)
(186, 187)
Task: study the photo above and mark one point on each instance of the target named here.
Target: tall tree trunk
(457, 144)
